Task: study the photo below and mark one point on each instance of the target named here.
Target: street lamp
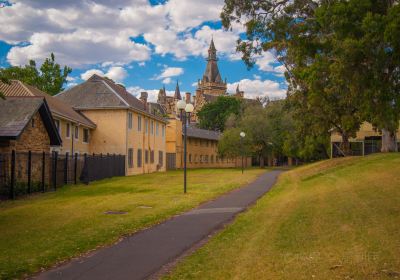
(185, 111)
(242, 135)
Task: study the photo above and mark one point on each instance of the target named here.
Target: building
(368, 140)
(73, 127)
(202, 148)
(26, 124)
(124, 124)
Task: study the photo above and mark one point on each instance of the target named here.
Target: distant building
(124, 124)
(73, 127)
(202, 148)
(26, 124)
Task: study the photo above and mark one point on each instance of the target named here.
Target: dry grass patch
(338, 219)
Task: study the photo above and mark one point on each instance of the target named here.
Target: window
(190, 158)
(160, 158)
(139, 123)
(212, 158)
(85, 135)
(68, 130)
(139, 157)
(206, 158)
(130, 121)
(76, 132)
(146, 156)
(163, 130)
(152, 156)
(152, 127)
(146, 125)
(130, 158)
(157, 125)
(57, 123)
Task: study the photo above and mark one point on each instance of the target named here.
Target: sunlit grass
(41, 230)
(337, 219)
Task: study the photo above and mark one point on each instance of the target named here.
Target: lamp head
(189, 108)
(181, 104)
(242, 134)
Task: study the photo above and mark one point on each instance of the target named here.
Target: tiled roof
(156, 109)
(101, 93)
(203, 133)
(57, 107)
(16, 112)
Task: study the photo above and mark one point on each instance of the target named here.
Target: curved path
(146, 252)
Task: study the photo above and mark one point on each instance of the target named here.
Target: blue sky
(142, 44)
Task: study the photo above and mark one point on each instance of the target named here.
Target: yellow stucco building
(124, 124)
(202, 148)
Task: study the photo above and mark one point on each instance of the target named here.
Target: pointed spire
(237, 89)
(177, 94)
(212, 51)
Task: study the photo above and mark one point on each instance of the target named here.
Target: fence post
(12, 186)
(43, 170)
(29, 172)
(75, 167)
(66, 169)
(55, 156)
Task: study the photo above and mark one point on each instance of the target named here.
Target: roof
(102, 93)
(156, 109)
(16, 112)
(212, 72)
(57, 107)
(203, 133)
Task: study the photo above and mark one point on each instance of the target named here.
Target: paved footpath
(144, 253)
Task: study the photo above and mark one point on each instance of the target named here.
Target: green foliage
(214, 115)
(48, 78)
(341, 57)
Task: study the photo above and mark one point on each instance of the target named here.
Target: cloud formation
(258, 88)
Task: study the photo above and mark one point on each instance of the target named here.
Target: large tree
(325, 47)
(215, 114)
(49, 78)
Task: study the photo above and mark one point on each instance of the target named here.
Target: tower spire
(212, 51)
(177, 94)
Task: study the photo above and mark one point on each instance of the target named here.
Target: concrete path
(144, 253)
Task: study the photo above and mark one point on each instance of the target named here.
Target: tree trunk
(345, 146)
(389, 141)
(262, 162)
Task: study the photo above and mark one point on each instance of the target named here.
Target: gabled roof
(16, 113)
(57, 107)
(156, 109)
(195, 132)
(101, 93)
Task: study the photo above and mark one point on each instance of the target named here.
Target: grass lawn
(337, 219)
(42, 230)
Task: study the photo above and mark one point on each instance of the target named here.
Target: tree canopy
(49, 78)
(214, 115)
(341, 58)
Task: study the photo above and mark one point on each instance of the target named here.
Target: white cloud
(170, 72)
(267, 62)
(116, 73)
(167, 81)
(256, 88)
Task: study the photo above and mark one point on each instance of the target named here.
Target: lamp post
(185, 111)
(242, 135)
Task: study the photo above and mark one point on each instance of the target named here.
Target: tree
(214, 115)
(49, 78)
(340, 56)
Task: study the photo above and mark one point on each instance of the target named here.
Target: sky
(141, 44)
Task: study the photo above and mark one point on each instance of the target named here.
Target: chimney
(143, 98)
(187, 97)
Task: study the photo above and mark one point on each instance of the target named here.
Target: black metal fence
(23, 173)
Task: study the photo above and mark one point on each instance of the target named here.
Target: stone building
(26, 124)
(73, 127)
(124, 124)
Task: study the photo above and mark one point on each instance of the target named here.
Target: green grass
(41, 230)
(337, 219)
